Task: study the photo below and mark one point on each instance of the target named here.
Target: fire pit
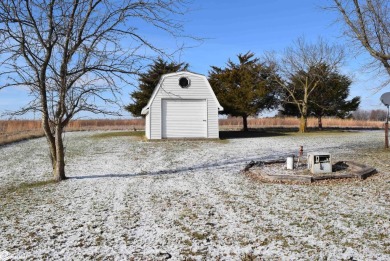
(315, 168)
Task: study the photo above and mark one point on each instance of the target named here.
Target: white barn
(183, 105)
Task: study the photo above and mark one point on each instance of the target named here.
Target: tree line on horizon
(306, 82)
(369, 115)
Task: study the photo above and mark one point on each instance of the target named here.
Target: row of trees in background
(372, 115)
(306, 69)
(304, 82)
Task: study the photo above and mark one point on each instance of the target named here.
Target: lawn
(128, 198)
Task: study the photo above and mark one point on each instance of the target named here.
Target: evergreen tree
(245, 88)
(148, 81)
(328, 99)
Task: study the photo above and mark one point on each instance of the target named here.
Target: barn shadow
(252, 133)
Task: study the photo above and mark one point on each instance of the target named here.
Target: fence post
(387, 129)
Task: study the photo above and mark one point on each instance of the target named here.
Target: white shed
(182, 105)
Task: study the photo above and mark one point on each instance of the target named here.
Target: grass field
(15, 130)
(127, 199)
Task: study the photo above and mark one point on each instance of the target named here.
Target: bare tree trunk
(56, 145)
(59, 164)
(50, 140)
(386, 135)
(245, 122)
(320, 122)
(303, 124)
(57, 153)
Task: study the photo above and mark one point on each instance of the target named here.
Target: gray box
(319, 162)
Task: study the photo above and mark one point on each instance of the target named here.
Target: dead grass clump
(106, 124)
(23, 187)
(16, 130)
(16, 126)
(10, 138)
(293, 122)
(139, 134)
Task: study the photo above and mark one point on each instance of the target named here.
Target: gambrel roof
(145, 110)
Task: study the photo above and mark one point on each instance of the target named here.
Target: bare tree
(71, 53)
(372, 115)
(378, 115)
(301, 72)
(362, 115)
(368, 25)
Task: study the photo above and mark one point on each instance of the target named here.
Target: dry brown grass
(15, 130)
(106, 124)
(292, 122)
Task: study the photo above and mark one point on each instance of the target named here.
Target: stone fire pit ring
(274, 170)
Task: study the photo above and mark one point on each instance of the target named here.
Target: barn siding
(155, 119)
(170, 89)
(212, 121)
(147, 125)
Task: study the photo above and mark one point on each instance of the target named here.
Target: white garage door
(184, 119)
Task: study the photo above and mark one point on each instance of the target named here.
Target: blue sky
(233, 27)
(260, 26)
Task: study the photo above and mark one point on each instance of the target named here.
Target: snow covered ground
(131, 199)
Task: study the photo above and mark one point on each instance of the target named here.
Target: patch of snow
(128, 198)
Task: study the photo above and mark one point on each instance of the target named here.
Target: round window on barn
(184, 82)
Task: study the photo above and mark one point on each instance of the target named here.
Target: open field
(15, 130)
(128, 199)
(292, 122)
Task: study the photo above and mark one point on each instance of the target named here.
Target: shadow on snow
(217, 165)
(253, 133)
